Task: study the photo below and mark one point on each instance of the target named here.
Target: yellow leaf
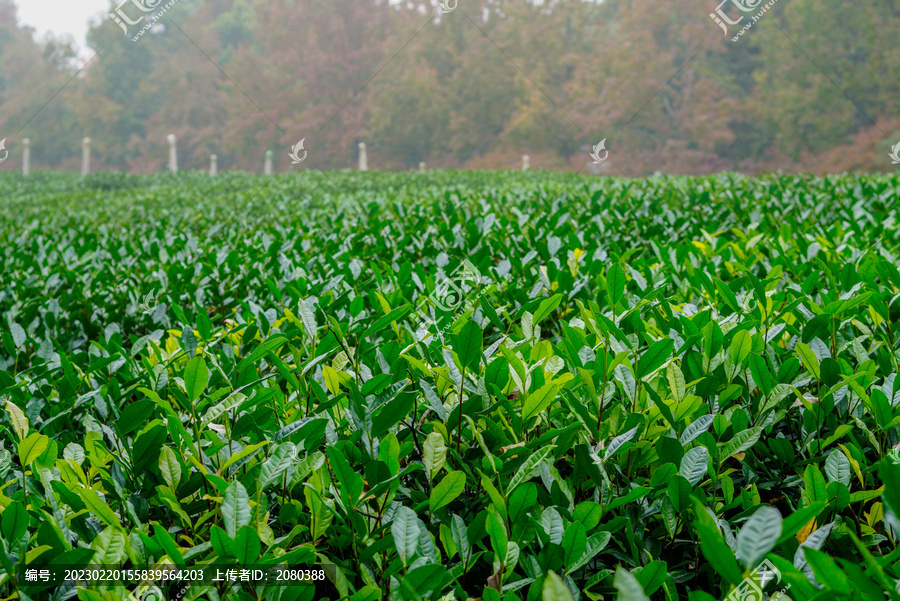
(385, 306)
(876, 316)
(806, 531)
(33, 554)
(332, 381)
(197, 464)
(561, 380)
(730, 268)
(18, 419)
(172, 345)
(875, 515)
(762, 310)
(290, 315)
(416, 363)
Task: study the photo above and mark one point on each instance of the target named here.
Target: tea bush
(515, 386)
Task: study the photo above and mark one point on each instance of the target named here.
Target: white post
(173, 154)
(526, 162)
(267, 169)
(26, 156)
(85, 156)
(363, 158)
(422, 167)
(213, 159)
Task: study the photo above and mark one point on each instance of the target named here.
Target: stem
(308, 393)
(228, 432)
(888, 325)
(459, 421)
(819, 416)
(603, 388)
(199, 452)
(834, 336)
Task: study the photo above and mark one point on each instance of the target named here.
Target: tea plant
(643, 390)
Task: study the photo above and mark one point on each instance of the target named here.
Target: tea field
(454, 386)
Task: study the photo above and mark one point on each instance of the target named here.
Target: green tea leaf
(761, 374)
(434, 453)
(169, 467)
(654, 357)
(539, 400)
(547, 306)
(247, 547)
(809, 359)
(468, 345)
(235, 508)
(615, 284)
(555, 589)
(32, 447)
(14, 523)
(758, 536)
(450, 487)
(527, 469)
(694, 465)
(98, 507)
(405, 530)
(741, 345)
(111, 547)
(277, 465)
(628, 586)
(741, 442)
(196, 377)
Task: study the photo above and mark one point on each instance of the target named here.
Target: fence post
(26, 156)
(526, 162)
(173, 154)
(363, 157)
(267, 169)
(85, 156)
(213, 159)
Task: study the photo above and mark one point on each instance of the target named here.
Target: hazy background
(63, 17)
(814, 85)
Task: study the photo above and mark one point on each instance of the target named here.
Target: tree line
(813, 85)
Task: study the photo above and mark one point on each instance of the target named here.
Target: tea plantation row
(632, 389)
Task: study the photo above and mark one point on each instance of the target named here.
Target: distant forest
(814, 85)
